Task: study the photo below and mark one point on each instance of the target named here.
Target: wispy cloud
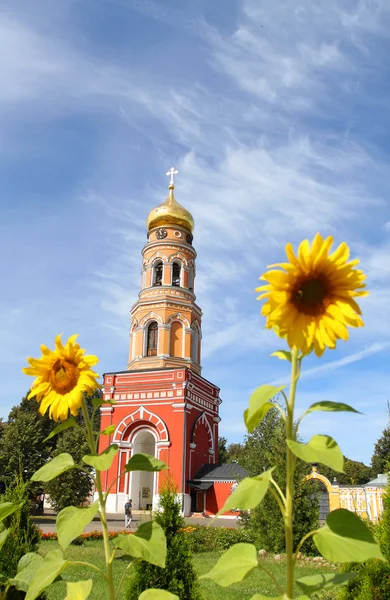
(346, 360)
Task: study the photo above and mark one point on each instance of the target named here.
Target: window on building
(152, 339)
(176, 269)
(158, 273)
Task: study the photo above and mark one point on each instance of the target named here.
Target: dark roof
(201, 486)
(217, 472)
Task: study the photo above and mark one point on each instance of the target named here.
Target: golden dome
(170, 212)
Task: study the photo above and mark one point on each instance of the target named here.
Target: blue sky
(277, 116)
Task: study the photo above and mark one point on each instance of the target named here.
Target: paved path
(116, 522)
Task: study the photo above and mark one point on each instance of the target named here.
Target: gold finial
(171, 173)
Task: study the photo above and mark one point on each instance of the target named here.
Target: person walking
(128, 511)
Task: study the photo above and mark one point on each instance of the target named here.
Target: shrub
(23, 537)
(179, 576)
(372, 582)
(210, 539)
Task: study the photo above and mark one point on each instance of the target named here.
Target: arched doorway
(142, 483)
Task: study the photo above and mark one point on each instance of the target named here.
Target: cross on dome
(172, 171)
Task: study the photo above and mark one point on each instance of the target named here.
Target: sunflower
(310, 301)
(62, 375)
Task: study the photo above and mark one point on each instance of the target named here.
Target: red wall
(216, 498)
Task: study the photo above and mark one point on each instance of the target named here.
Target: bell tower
(165, 328)
(161, 405)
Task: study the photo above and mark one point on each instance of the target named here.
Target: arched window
(158, 273)
(152, 339)
(176, 270)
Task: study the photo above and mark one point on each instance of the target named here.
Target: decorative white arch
(178, 317)
(152, 316)
(158, 255)
(178, 256)
(141, 414)
(203, 420)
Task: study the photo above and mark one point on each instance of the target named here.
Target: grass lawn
(256, 582)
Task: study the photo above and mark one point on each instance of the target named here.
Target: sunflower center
(310, 296)
(64, 376)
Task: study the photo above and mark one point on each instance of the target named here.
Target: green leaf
(345, 538)
(323, 581)
(249, 492)
(71, 422)
(55, 467)
(27, 567)
(148, 543)
(7, 508)
(53, 564)
(78, 590)
(154, 594)
(282, 354)
(328, 406)
(96, 401)
(71, 522)
(108, 430)
(320, 449)
(259, 405)
(3, 537)
(31, 560)
(233, 565)
(103, 461)
(145, 462)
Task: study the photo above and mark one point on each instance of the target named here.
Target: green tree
(23, 537)
(179, 576)
(380, 461)
(264, 448)
(229, 453)
(23, 448)
(73, 487)
(356, 473)
(223, 455)
(235, 452)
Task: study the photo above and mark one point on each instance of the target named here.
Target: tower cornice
(158, 303)
(169, 245)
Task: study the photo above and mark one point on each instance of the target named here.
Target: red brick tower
(163, 406)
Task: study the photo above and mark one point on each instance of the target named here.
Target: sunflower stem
(290, 433)
(102, 507)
